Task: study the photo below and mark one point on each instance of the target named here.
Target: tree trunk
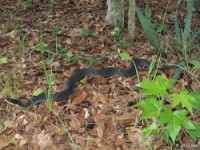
(131, 19)
(115, 12)
(115, 15)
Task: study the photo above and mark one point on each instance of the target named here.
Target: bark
(131, 19)
(115, 12)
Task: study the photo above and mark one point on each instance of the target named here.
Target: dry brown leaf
(125, 118)
(21, 139)
(3, 94)
(43, 141)
(32, 124)
(75, 123)
(68, 41)
(5, 141)
(106, 147)
(100, 130)
(101, 97)
(78, 99)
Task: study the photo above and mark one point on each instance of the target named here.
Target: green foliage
(158, 26)
(7, 26)
(27, 3)
(123, 44)
(37, 92)
(184, 99)
(152, 129)
(54, 42)
(168, 119)
(151, 106)
(42, 47)
(49, 77)
(52, 1)
(120, 43)
(125, 56)
(22, 41)
(88, 33)
(11, 86)
(61, 52)
(57, 30)
(159, 87)
(3, 60)
(116, 34)
(196, 105)
(88, 60)
(185, 35)
(149, 32)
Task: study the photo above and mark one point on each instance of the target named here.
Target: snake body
(77, 76)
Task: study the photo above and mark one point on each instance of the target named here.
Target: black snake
(80, 74)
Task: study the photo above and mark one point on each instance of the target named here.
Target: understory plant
(119, 41)
(167, 112)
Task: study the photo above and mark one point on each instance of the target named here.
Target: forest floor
(26, 31)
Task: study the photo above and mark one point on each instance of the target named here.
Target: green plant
(184, 35)
(52, 1)
(116, 34)
(56, 32)
(150, 34)
(165, 118)
(63, 53)
(11, 86)
(123, 44)
(42, 47)
(49, 77)
(88, 60)
(27, 3)
(21, 41)
(7, 26)
(120, 43)
(185, 40)
(3, 60)
(155, 23)
(88, 33)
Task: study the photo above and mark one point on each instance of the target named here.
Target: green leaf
(196, 95)
(174, 121)
(194, 133)
(165, 115)
(125, 56)
(3, 60)
(94, 34)
(151, 107)
(174, 125)
(149, 32)
(184, 98)
(165, 136)
(189, 125)
(37, 92)
(196, 63)
(57, 30)
(83, 81)
(149, 130)
(117, 29)
(85, 32)
(158, 88)
(160, 29)
(113, 33)
(173, 130)
(179, 117)
(196, 104)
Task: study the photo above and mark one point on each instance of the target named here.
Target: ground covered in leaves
(105, 101)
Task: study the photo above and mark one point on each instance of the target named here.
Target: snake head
(16, 103)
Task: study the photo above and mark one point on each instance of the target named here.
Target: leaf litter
(114, 125)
